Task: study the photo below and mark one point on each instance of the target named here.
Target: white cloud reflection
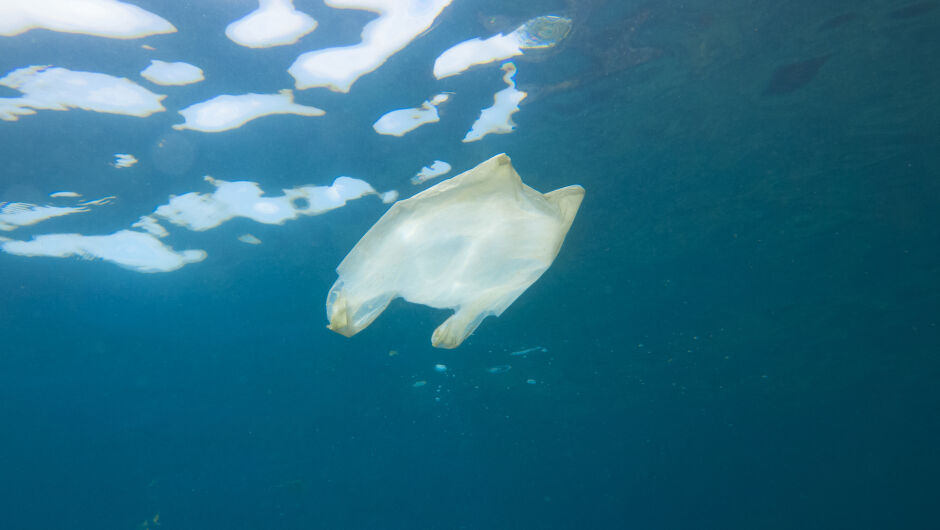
(223, 113)
(274, 23)
(399, 22)
(52, 88)
(130, 249)
(102, 18)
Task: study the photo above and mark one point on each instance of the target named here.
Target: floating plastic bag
(472, 243)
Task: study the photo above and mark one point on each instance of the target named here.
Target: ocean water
(740, 331)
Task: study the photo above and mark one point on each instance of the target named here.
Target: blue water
(741, 330)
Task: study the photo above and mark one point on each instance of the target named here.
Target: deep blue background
(742, 325)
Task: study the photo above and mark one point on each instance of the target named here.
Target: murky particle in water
(499, 369)
(419, 384)
(440, 367)
(530, 381)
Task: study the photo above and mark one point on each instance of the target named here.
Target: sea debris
(472, 243)
(535, 349)
(543, 32)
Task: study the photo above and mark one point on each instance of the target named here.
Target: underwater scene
(469, 264)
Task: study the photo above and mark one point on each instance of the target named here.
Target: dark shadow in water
(790, 77)
(913, 10)
(839, 21)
